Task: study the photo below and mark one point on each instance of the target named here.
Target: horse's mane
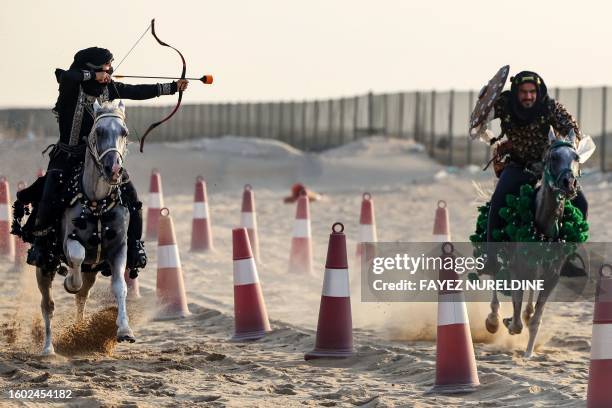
(109, 107)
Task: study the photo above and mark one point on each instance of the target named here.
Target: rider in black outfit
(87, 79)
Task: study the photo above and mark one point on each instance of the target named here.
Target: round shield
(487, 96)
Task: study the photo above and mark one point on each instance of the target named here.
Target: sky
(263, 50)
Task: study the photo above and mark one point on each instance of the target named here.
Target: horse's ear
(121, 106)
(96, 106)
(571, 135)
(552, 137)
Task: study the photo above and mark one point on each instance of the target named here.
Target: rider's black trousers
(510, 181)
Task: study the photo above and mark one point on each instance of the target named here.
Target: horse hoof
(126, 335)
(492, 323)
(68, 290)
(48, 352)
(512, 329)
(128, 338)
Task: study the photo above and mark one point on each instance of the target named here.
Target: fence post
(244, 126)
(237, 118)
(370, 114)
(316, 123)
(432, 135)
(416, 136)
(604, 108)
(400, 115)
(291, 138)
(469, 138)
(330, 124)
(304, 124)
(385, 115)
(281, 117)
(355, 117)
(259, 119)
(451, 108)
(342, 118)
(579, 105)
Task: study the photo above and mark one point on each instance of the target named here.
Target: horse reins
(552, 181)
(93, 150)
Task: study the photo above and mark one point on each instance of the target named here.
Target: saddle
(27, 204)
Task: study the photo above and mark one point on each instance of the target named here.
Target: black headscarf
(520, 114)
(91, 58)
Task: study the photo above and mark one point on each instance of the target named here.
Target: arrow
(206, 79)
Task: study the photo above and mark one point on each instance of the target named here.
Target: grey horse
(94, 226)
(561, 164)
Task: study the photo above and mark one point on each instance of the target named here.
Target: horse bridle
(552, 181)
(92, 146)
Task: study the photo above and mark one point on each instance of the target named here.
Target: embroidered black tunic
(78, 90)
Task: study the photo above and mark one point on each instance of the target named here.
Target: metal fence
(436, 119)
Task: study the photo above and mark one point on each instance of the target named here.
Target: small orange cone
(201, 234)
(156, 203)
(599, 394)
(170, 286)
(441, 229)
(6, 241)
(248, 219)
(455, 359)
(367, 223)
(251, 318)
(300, 257)
(21, 248)
(335, 327)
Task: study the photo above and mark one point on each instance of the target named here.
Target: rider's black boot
(136, 255)
(42, 252)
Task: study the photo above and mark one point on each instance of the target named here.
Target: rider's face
(527, 94)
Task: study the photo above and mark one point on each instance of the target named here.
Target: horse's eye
(124, 132)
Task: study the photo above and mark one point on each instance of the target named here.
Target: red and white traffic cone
(455, 359)
(251, 318)
(300, 257)
(441, 229)
(201, 234)
(367, 223)
(335, 327)
(599, 394)
(156, 203)
(248, 219)
(21, 248)
(132, 285)
(170, 285)
(7, 248)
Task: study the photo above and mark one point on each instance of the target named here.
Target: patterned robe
(529, 142)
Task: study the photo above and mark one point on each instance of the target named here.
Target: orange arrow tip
(207, 79)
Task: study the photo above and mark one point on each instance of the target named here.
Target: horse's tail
(482, 194)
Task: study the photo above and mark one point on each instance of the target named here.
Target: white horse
(561, 163)
(94, 226)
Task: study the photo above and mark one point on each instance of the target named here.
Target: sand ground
(190, 362)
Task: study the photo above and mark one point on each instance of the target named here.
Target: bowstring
(121, 62)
